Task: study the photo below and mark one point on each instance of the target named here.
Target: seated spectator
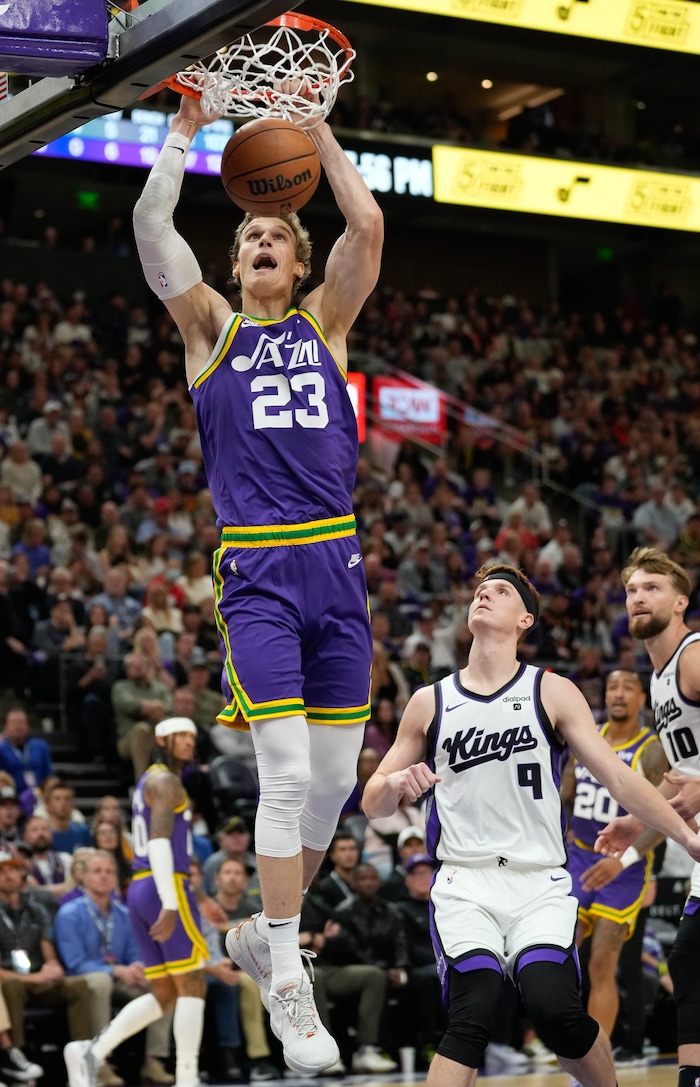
(196, 581)
(165, 617)
(21, 473)
(352, 818)
(10, 813)
(106, 837)
(49, 868)
(52, 637)
(388, 679)
(342, 978)
(416, 665)
(123, 610)
(234, 843)
(79, 862)
(422, 1004)
(29, 969)
(109, 810)
(139, 703)
(146, 643)
(232, 993)
(27, 759)
(96, 942)
(411, 841)
(344, 855)
(380, 732)
(88, 681)
(66, 833)
(655, 522)
(536, 516)
(231, 882)
(419, 578)
(32, 544)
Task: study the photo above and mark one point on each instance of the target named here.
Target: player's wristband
(630, 856)
(160, 856)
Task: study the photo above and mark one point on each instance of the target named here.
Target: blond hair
(654, 561)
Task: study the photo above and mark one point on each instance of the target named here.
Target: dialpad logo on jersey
(665, 712)
(472, 748)
(284, 352)
(516, 700)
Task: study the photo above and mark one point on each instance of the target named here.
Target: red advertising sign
(406, 409)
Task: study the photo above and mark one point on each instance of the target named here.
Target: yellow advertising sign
(656, 24)
(573, 190)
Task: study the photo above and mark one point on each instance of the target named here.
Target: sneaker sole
(238, 950)
(307, 1069)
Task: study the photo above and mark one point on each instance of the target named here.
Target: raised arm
(169, 265)
(352, 268)
(571, 716)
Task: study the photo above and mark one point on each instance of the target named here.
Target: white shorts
(504, 911)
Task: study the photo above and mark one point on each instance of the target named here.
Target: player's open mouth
(263, 261)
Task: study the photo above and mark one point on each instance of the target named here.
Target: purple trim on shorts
(542, 954)
(691, 907)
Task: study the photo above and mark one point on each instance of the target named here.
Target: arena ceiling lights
(656, 24)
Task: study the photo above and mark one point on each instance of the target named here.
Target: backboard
(147, 45)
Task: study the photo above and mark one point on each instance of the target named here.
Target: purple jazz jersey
(278, 431)
(619, 901)
(294, 628)
(186, 950)
(180, 839)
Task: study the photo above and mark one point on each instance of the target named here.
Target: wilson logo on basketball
(260, 186)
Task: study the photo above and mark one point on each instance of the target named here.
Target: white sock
(134, 1016)
(282, 934)
(188, 1021)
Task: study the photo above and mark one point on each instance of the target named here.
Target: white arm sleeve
(160, 856)
(169, 265)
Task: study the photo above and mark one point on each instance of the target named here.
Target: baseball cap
(419, 858)
(52, 405)
(410, 832)
(9, 858)
(7, 792)
(237, 823)
(175, 724)
(187, 466)
(162, 505)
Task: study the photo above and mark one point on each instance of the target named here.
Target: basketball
(270, 166)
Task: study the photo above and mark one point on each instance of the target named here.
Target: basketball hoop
(281, 74)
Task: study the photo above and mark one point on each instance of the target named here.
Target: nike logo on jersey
(354, 559)
(448, 709)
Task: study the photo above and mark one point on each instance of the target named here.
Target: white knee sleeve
(334, 752)
(282, 753)
(169, 265)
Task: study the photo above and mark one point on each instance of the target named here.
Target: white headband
(175, 724)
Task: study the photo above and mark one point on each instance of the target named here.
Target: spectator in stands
(231, 881)
(139, 703)
(536, 516)
(341, 977)
(52, 638)
(234, 843)
(419, 578)
(120, 607)
(196, 581)
(10, 814)
(411, 841)
(344, 855)
(27, 759)
(165, 617)
(416, 665)
(66, 834)
(232, 993)
(655, 522)
(107, 838)
(49, 868)
(145, 642)
(110, 810)
(32, 544)
(422, 1003)
(95, 941)
(78, 866)
(21, 474)
(88, 681)
(29, 968)
(388, 679)
(380, 732)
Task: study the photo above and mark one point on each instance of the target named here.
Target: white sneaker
(503, 1058)
(368, 1058)
(538, 1053)
(82, 1065)
(249, 951)
(307, 1046)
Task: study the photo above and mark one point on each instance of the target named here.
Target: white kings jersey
(677, 719)
(498, 759)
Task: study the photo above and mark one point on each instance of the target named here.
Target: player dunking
(609, 894)
(279, 441)
(657, 597)
(165, 917)
(485, 743)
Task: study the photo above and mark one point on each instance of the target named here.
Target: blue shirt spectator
(66, 835)
(81, 941)
(27, 759)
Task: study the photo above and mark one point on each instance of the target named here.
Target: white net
(283, 76)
